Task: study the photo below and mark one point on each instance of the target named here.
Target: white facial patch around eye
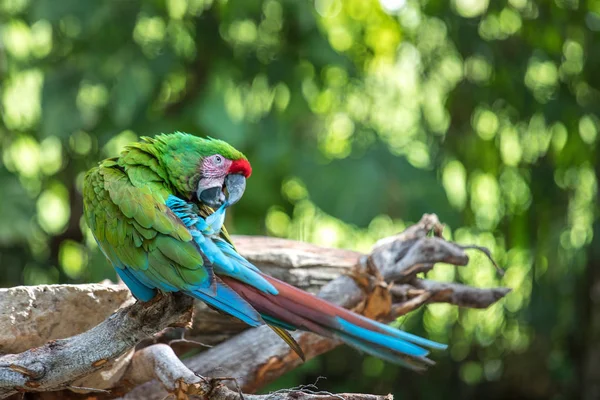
(212, 168)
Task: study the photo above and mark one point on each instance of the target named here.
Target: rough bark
(63, 363)
(30, 316)
(254, 357)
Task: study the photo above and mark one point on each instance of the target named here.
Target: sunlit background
(358, 116)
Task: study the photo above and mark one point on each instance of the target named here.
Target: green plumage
(124, 206)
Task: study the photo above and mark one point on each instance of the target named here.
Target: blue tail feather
(409, 337)
(381, 353)
(381, 339)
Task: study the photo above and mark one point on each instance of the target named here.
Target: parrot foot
(205, 387)
(215, 382)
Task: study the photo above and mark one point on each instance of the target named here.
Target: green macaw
(151, 212)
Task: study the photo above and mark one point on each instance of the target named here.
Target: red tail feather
(275, 306)
(297, 307)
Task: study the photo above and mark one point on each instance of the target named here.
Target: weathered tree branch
(61, 363)
(254, 357)
(161, 363)
(32, 315)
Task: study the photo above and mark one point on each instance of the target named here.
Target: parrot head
(221, 175)
(211, 170)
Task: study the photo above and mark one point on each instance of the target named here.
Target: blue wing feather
(138, 289)
(244, 270)
(225, 299)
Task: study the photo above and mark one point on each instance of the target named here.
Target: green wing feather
(134, 227)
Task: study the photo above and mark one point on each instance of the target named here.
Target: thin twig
(485, 251)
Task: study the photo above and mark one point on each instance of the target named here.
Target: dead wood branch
(59, 364)
(254, 357)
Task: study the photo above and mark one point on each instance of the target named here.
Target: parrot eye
(218, 159)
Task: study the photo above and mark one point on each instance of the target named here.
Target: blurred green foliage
(358, 116)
